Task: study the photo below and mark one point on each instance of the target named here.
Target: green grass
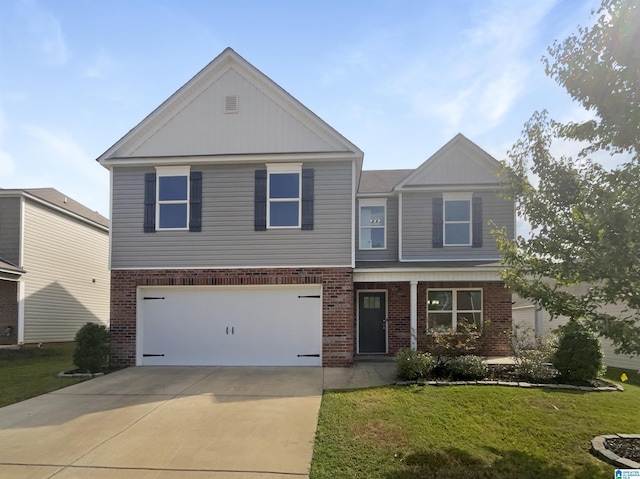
(29, 371)
(468, 432)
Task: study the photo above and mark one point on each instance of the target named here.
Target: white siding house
(54, 273)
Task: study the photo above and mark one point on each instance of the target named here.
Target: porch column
(413, 324)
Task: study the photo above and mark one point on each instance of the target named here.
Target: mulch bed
(625, 447)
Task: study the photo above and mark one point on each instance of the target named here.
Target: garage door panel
(232, 326)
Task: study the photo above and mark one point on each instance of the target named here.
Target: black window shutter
(260, 201)
(307, 198)
(437, 224)
(149, 202)
(195, 201)
(477, 222)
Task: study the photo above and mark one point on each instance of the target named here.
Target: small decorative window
(452, 310)
(172, 198)
(284, 193)
(373, 221)
(457, 219)
(371, 302)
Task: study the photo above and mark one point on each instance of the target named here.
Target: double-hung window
(457, 219)
(284, 195)
(373, 220)
(454, 310)
(172, 212)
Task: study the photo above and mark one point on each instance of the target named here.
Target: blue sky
(397, 78)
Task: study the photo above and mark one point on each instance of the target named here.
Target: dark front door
(372, 326)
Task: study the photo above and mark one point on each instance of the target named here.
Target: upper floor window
(172, 198)
(373, 220)
(284, 195)
(457, 219)
(454, 310)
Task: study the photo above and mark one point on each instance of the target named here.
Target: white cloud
(62, 150)
(7, 162)
(45, 34)
(101, 65)
(484, 71)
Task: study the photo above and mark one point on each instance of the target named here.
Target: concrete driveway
(167, 423)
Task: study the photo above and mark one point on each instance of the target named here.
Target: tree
(585, 219)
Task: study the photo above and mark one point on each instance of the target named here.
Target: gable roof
(458, 163)
(380, 181)
(195, 122)
(52, 197)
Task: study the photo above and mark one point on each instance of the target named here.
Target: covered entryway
(230, 326)
(372, 322)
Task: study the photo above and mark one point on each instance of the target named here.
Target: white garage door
(230, 326)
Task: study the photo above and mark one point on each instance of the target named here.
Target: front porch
(392, 310)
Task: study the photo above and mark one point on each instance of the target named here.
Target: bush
(534, 363)
(467, 368)
(412, 364)
(579, 356)
(92, 348)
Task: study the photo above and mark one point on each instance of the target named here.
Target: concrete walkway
(176, 423)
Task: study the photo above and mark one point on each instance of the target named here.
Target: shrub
(412, 364)
(579, 356)
(467, 368)
(534, 363)
(92, 348)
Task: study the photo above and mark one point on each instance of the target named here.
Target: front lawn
(466, 432)
(31, 371)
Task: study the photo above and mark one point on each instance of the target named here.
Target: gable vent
(231, 104)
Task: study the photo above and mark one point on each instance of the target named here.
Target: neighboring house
(537, 323)
(54, 274)
(236, 238)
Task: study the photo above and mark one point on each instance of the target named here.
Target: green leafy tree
(584, 218)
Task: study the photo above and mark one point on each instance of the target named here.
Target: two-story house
(54, 274)
(239, 235)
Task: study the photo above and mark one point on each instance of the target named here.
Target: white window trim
(172, 171)
(454, 307)
(456, 197)
(284, 168)
(372, 202)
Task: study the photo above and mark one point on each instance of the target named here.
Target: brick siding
(337, 305)
(496, 338)
(8, 312)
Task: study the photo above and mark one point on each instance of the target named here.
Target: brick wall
(496, 340)
(8, 311)
(496, 306)
(337, 308)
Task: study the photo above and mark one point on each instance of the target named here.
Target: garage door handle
(227, 329)
(233, 330)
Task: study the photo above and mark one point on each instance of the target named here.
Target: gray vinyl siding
(417, 228)
(228, 238)
(10, 230)
(391, 251)
(63, 256)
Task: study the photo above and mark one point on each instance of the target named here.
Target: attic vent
(231, 104)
